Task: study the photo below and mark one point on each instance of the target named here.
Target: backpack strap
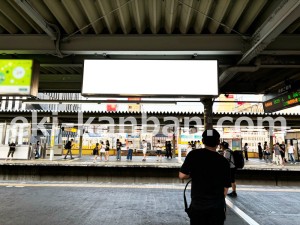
(230, 152)
(184, 197)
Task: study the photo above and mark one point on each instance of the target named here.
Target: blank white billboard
(150, 78)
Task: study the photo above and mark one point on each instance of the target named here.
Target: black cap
(211, 137)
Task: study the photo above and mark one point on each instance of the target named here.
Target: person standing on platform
(69, 146)
(159, 151)
(282, 152)
(118, 147)
(130, 151)
(228, 154)
(37, 150)
(96, 152)
(246, 147)
(144, 149)
(291, 151)
(267, 153)
(168, 149)
(278, 159)
(260, 151)
(193, 144)
(102, 150)
(210, 173)
(107, 147)
(11, 151)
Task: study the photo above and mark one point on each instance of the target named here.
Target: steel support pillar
(208, 113)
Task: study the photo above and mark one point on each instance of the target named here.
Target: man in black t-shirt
(118, 146)
(210, 175)
(282, 152)
(12, 148)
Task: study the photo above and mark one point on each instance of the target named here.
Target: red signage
(111, 107)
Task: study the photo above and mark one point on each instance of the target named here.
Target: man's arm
(183, 176)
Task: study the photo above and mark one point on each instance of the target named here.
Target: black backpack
(238, 158)
(68, 145)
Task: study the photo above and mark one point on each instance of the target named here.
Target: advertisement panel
(18, 77)
(150, 78)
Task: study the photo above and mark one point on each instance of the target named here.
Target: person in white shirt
(159, 151)
(130, 151)
(291, 151)
(144, 149)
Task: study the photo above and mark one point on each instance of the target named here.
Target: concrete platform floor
(131, 204)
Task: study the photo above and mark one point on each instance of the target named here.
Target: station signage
(287, 100)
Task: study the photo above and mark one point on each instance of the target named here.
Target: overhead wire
(58, 41)
(102, 17)
(212, 19)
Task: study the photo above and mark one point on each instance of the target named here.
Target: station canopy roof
(256, 42)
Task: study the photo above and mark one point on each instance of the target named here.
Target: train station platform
(136, 171)
(123, 204)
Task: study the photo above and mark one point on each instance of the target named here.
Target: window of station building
(18, 133)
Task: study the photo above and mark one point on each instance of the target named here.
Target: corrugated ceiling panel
(123, 14)
(186, 15)
(43, 10)
(138, 9)
(77, 14)
(92, 14)
(60, 13)
(234, 14)
(253, 9)
(218, 15)
(26, 17)
(7, 24)
(201, 18)
(155, 15)
(170, 15)
(11, 14)
(105, 7)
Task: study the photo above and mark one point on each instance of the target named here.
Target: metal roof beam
(284, 16)
(144, 45)
(36, 17)
(133, 44)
